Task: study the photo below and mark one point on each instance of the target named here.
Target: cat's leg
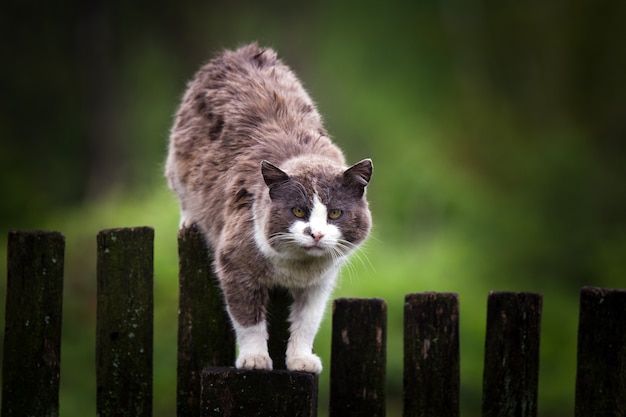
(305, 317)
(185, 221)
(176, 186)
(252, 342)
(246, 308)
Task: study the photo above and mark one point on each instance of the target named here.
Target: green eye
(334, 214)
(298, 212)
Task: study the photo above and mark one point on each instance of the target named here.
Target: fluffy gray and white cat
(255, 170)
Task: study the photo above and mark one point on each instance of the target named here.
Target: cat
(255, 170)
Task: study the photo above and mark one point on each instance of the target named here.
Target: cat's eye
(334, 214)
(298, 212)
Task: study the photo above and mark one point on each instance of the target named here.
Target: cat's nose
(317, 236)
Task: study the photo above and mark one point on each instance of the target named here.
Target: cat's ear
(272, 175)
(358, 176)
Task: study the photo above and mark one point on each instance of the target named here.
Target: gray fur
(248, 146)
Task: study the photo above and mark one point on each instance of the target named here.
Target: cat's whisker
(340, 254)
(281, 238)
(358, 253)
(349, 269)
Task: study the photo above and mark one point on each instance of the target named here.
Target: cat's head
(317, 209)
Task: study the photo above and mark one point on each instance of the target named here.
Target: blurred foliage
(497, 131)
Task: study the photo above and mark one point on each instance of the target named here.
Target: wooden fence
(208, 386)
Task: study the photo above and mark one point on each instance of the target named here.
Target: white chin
(314, 251)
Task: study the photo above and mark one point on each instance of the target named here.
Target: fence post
(358, 358)
(32, 336)
(124, 325)
(601, 372)
(431, 355)
(242, 393)
(511, 371)
(205, 336)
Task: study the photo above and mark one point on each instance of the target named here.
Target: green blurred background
(497, 131)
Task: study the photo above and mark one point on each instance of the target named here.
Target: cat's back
(247, 98)
(242, 107)
(245, 105)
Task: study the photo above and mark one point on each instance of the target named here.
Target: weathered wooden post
(237, 393)
(431, 355)
(32, 336)
(205, 336)
(511, 372)
(358, 358)
(601, 372)
(124, 328)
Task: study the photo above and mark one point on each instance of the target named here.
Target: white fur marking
(299, 244)
(318, 218)
(261, 240)
(306, 316)
(252, 342)
(317, 224)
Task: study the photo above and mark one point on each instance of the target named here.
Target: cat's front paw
(254, 361)
(305, 363)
